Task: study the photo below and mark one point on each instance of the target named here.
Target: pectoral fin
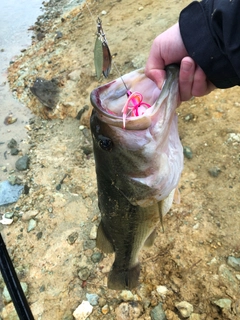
(102, 242)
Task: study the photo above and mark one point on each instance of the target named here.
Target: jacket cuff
(202, 47)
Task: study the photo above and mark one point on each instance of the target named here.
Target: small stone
(162, 291)
(72, 237)
(195, 316)
(189, 117)
(234, 262)
(83, 311)
(12, 144)
(6, 295)
(104, 12)
(89, 244)
(187, 151)
(238, 276)
(28, 215)
(223, 303)
(84, 273)
(22, 163)
(158, 313)
(12, 179)
(14, 151)
(214, 172)
(93, 233)
(105, 309)
(31, 225)
(96, 257)
(140, 8)
(92, 298)
(9, 312)
(126, 295)
(234, 137)
(185, 308)
(8, 215)
(126, 311)
(75, 75)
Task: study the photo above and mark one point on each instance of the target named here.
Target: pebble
(83, 311)
(214, 172)
(234, 137)
(126, 311)
(12, 144)
(84, 274)
(29, 215)
(92, 298)
(14, 151)
(22, 163)
(187, 151)
(189, 117)
(72, 237)
(185, 308)
(223, 303)
(234, 262)
(6, 296)
(75, 75)
(126, 295)
(162, 291)
(8, 215)
(228, 277)
(31, 225)
(12, 179)
(96, 257)
(195, 316)
(158, 313)
(105, 309)
(9, 312)
(238, 276)
(93, 233)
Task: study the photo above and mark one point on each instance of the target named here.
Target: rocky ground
(190, 272)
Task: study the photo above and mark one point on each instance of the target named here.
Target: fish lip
(141, 122)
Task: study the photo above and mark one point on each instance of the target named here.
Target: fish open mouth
(127, 102)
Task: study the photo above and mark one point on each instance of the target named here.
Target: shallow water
(15, 19)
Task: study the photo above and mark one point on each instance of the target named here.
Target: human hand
(168, 48)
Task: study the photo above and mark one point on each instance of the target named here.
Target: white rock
(162, 291)
(126, 295)
(93, 233)
(83, 311)
(234, 137)
(185, 308)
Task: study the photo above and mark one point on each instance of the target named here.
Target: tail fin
(123, 279)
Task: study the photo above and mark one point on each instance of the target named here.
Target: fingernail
(186, 66)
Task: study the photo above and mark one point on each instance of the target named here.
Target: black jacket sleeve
(210, 30)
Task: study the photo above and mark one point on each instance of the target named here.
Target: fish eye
(105, 143)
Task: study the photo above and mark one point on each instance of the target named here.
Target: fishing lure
(102, 55)
(134, 106)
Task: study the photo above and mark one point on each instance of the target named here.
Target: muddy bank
(58, 258)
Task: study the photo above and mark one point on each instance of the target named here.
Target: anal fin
(150, 240)
(102, 241)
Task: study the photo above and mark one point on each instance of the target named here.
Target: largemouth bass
(139, 159)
